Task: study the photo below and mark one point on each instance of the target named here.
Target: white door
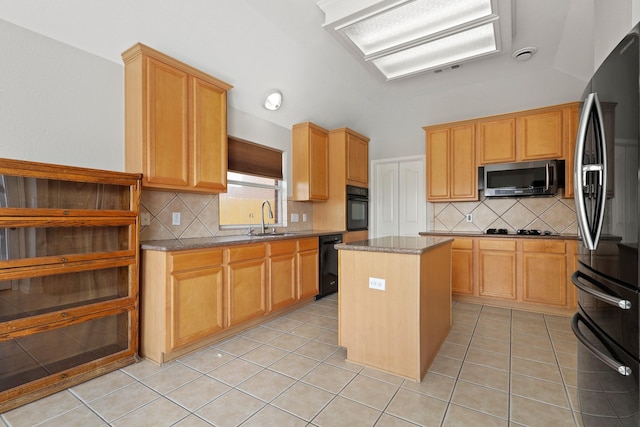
(412, 200)
(399, 197)
(386, 199)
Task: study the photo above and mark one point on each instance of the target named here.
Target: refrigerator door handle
(590, 232)
(609, 361)
(609, 299)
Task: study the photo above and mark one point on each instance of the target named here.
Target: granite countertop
(510, 235)
(412, 245)
(240, 239)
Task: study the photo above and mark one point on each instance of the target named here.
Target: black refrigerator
(606, 178)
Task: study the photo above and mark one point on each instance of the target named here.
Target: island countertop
(413, 245)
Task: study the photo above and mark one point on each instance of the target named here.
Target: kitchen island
(394, 302)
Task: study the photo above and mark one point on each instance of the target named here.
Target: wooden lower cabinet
(462, 266)
(282, 274)
(307, 268)
(544, 272)
(531, 274)
(197, 308)
(497, 268)
(247, 283)
(192, 298)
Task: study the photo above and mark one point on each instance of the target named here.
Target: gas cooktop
(522, 232)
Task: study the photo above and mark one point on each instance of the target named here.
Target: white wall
(58, 104)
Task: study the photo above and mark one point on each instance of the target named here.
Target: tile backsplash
(554, 214)
(199, 216)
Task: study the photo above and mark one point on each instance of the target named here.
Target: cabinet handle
(65, 212)
(63, 314)
(63, 259)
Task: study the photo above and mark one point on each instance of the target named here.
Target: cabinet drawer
(462, 244)
(546, 246)
(244, 252)
(497, 245)
(280, 248)
(307, 244)
(186, 260)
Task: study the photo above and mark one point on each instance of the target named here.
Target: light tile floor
(497, 367)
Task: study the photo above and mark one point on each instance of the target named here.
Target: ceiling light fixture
(273, 100)
(406, 37)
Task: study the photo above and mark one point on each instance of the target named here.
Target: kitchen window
(255, 175)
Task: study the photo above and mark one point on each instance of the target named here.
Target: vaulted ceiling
(257, 45)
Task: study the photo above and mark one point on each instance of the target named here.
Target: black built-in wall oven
(357, 208)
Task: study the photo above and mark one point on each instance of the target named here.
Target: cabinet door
(196, 305)
(570, 121)
(247, 290)
(540, 136)
(318, 165)
(497, 141)
(307, 263)
(438, 164)
(497, 268)
(544, 278)
(462, 266)
(544, 272)
(463, 170)
(357, 161)
(167, 150)
(208, 168)
(282, 274)
(310, 163)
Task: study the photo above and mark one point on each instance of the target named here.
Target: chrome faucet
(262, 212)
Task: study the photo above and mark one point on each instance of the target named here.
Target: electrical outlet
(304, 217)
(175, 218)
(375, 283)
(294, 217)
(145, 219)
(469, 217)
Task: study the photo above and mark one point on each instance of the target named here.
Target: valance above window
(254, 159)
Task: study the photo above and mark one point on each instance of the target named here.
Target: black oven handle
(609, 299)
(609, 361)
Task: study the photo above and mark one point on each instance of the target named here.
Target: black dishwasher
(328, 264)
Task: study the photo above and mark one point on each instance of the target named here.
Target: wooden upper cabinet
(175, 123)
(451, 163)
(357, 159)
(438, 164)
(571, 120)
(496, 141)
(310, 164)
(540, 136)
(209, 136)
(543, 133)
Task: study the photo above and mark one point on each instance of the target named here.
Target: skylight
(406, 37)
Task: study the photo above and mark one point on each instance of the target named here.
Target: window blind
(254, 159)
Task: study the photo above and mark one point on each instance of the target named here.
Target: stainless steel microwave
(540, 178)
